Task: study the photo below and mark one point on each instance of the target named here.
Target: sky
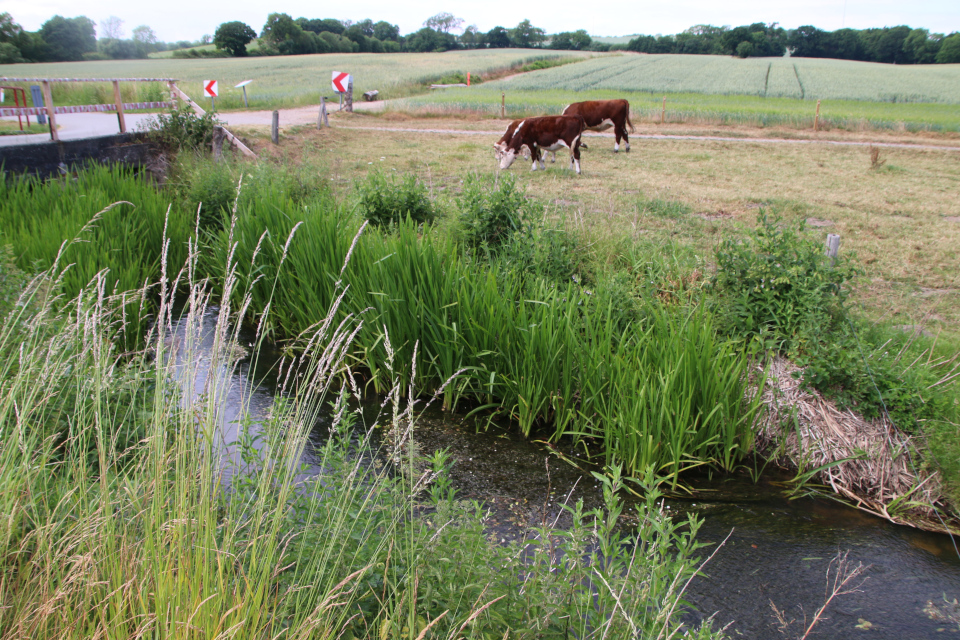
(174, 20)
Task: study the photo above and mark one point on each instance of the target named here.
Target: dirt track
(308, 115)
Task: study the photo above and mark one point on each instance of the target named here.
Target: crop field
(804, 78)
(280, 81)
(691, 108)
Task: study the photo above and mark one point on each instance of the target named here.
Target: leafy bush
(387, 201)
(778, 290)
(870, 368)
(498, 220)
(182, 129)
(493, 210)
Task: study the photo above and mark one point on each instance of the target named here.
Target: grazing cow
(500, 146)
(546, 133)
(600, 115)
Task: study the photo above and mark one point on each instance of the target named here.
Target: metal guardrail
(89, 80)
(84, 108)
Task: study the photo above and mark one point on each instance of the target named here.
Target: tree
(385, 31)
(144, 35)
(922, 48)
(428, 39)
(206, 38)
(745, 49)
(111, 28)
(69, 38)
(949, 50)
(443, 22)
(234, 37)
(9, 30)
(280, 27)
(498, 38)
(526, 35)
(10, 54)
(807, 42)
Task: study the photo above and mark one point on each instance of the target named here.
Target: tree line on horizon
(69, 39)
(892, 45)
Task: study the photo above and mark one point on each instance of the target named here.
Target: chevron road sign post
(343, 84)
(210, 89)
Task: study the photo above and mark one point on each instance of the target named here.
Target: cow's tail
(630, 124)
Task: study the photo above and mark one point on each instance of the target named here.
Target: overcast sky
(185, 20)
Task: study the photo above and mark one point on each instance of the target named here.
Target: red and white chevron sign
(341, 81)
(210, 88)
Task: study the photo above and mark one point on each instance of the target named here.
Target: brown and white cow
(501, 144)
(546, 133)
(600, 115)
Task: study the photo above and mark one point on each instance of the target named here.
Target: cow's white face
(507, 157)
(498, 148)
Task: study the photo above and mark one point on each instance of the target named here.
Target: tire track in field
(661, 136)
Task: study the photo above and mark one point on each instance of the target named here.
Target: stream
(778, 550)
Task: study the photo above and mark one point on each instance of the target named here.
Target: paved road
(72, 126)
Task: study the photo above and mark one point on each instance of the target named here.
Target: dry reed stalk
(867, 461)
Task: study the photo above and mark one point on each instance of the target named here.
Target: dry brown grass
(900, 218)
(868, 462)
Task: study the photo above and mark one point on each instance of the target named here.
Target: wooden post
(119, 101)
(275, 128)
(48, 100)
(350, 97)
(174, 94)
(663, 110)
(322, 117)
(218, 135)
(833, 247)
(816, 118)
(503, 104)
(468, 78)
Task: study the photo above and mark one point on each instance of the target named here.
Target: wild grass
(278, 81)
(10, 127)
(102, 535)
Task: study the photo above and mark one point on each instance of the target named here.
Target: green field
(279, 81)
(798, 78)
(692, 108)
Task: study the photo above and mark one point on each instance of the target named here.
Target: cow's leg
(535, 155)
(626, 140)
(553, 157)
(575, 154)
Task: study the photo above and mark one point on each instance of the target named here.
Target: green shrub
(777, 290)
(493, 210)
(870, 369)
(387, 201)
(182, 129)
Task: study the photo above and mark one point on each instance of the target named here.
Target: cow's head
(498, 148)
(507, 156)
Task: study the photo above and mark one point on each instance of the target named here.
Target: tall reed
(552, 356)
(164, 536)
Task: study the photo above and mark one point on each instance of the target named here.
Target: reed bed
(556, 357)
(122, 515)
